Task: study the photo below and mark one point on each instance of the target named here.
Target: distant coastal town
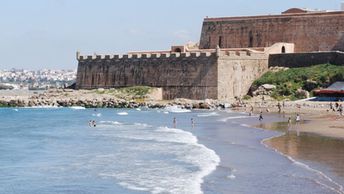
(36, 79)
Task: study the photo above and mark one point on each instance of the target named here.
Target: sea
(49, 150)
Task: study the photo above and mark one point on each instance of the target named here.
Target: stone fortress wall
(184, 75)
(233, 52)
(306, 59)
(314, 31)
(194, 75)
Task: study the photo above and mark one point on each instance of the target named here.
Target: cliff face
(309, 32)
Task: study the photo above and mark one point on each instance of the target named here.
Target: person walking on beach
(251, 111)
(261, 116)
(331, 106)
(279, 107)
(289, 123)
(298, 118)
(340, 110)
(298, 122)
(174, 122)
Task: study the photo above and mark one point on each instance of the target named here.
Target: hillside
(289, 82)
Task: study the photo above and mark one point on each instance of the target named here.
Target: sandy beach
(316, 117)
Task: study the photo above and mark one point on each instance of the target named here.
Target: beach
(316, 117)
(140, 151)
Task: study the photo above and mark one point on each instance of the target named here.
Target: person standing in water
(174, 122)
(192, 123)
(261, 116)
(289, 123)
(297, 120)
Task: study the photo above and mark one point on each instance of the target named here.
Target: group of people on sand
(336, 107)
(92, 123)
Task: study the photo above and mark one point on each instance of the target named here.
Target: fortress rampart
(233, 52)
(306, 59)
(323, 31)
(197, 75)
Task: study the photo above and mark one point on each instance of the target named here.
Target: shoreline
(316, 117)
(322, 161)
(99, 99)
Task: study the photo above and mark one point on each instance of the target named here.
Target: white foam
(211, 114)
(138, 109)
(97, 114)
(234, 117)
(163, 175)
(231, 176)
(122, 113)
(15, 110)
(176, 109)
(111, 122)
(41, 107)
(77, 107)
(142, 124)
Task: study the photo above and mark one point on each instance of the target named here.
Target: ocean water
(54, 150)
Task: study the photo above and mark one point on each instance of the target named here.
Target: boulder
(268, 87)
(300, 93)
(265, 89)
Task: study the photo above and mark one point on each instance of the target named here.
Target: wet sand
(307, 145)
(320, 119)
(317, 141)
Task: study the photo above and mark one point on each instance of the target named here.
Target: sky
(39, 34)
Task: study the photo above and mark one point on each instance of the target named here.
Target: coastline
(244, 155)
(98, 99)
(240, 149)
(316, 117)
(316, 144)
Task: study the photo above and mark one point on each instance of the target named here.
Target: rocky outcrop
(265, 89)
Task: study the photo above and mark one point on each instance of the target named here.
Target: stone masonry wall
(293, 60)
(237, 71)
(310, 32)
(185, 75)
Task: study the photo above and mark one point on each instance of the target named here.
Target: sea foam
(211, 114)
(176, 109)
(183, 173)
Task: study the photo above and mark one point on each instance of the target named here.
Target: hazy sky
(47, 33)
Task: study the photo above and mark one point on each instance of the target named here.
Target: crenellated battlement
(223, 53)
(146, 56)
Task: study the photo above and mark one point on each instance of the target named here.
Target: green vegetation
(134, 92)
(246, 97)
(288, 81)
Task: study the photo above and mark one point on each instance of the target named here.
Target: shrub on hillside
(288, 81)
